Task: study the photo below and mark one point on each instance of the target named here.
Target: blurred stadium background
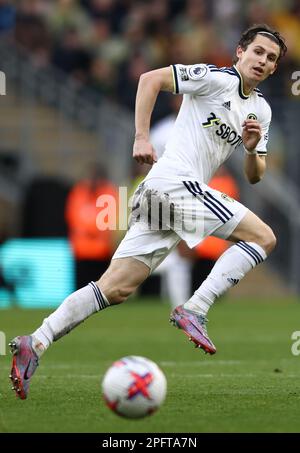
(72, 68)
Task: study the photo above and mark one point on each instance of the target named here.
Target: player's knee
(119, 293)
(115, 290)
(267, 239)
(121, 279)
(123, 292)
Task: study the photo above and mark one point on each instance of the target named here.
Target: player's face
(258, 61)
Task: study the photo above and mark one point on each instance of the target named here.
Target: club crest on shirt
(251, 116)
(197, 71)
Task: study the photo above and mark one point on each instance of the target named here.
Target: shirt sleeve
(192, 79)
(261, 148)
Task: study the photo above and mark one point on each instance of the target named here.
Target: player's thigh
(127, 272)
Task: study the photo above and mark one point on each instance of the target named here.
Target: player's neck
(247, 85)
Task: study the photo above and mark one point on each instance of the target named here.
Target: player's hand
(251, 134)
(143, 151)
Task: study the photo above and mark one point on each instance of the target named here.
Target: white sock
(74, 309)
(229, 269)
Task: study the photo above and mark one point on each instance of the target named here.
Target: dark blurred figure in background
(92, 247)
(7, 16)
(43, 208)
(70, 56)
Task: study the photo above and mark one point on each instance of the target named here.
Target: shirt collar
(241, 83)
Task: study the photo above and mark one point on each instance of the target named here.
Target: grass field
(251, 385)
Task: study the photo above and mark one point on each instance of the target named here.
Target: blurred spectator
(289, 24)
(258, 12)
(107, 44)
(31, 31)
(66, 14)
(228, 19)
(7, 16)
(129, 78)
(92, 247)
(111, 11)
(196, 29)
(70, 56)
(102, 77)
(102, 43)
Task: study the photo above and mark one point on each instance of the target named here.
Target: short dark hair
(249, 35)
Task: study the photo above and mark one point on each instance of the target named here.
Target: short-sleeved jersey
(208, 127)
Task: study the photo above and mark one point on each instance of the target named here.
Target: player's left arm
(255, 164)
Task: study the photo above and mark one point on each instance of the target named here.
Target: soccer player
(221, 109)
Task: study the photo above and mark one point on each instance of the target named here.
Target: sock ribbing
(252, 251)
(100, 297)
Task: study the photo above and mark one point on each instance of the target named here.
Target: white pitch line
(61, 366)
(218, 375)
(197, 375)
(166, 363)
(70, 376)
(200, 363)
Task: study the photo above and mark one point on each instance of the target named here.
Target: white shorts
(164, 211)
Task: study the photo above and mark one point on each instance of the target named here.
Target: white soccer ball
(134, 387)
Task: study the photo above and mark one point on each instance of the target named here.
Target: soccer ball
(134, 387)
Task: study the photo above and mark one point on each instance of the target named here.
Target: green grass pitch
(251, 385)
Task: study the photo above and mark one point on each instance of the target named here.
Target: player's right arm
(150, 84)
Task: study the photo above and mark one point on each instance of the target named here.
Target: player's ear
(239, 52)
(275, 67)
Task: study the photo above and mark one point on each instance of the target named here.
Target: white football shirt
(208, 127)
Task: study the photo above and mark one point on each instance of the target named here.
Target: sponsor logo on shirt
(224, 131)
